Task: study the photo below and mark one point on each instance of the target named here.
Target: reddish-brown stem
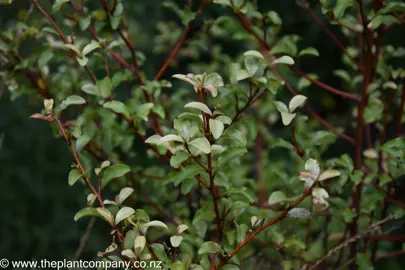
(265, 226)
(329, 33)
(78, 162)
(179, 43)
(325, 86)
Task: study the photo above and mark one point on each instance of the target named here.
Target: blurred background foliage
(35, 199)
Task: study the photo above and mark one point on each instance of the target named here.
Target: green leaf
(74, 175)
(309, 51)
(203, 214)
(84, 23)
(114, 171)
(178, 177)
(178, 158)
(175, 240)
(115, 21)
(58, 4)
(124, 213)
(86, 212)
(90, 89)
(296, 101)
(71, 100)
(216, 128)
(254, 54)
(277, 197)
(159, 251)
(106, 214)
(90, 47)
(285, 59)
(199, 106)
(117, 107)
(231, 154)
(81, 142)
(189, 78)
(252, 65)
(154, 139)
(209, 247)
(341, 6)
(144, 110)
(201, 144)
(241, 230)
(348, 215)
(181, 228)
(128, 253)
(104, 87)
(229, 267)
(44, 58)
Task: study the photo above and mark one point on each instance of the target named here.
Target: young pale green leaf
(309, 51)
(312, 166)
(154, 139)
(199, 106)
(81, 142)
(115, 171)
(212, 82)
(296, 101)
(189, 78)
(299, 213)
(181, 228)
(254, 54)
(277, 197)
(139, 243)
(82, 60)
(84, 23)
(201, 144)
(90, 47)
(117, 107)
(74, 176)
(285, 59)
(128, 253)
(123, 195)
(124, 213)
(106, 214)
(153, 223)
(86, 212)
(108, 201)
(216, 127)
(72, 47)
(328, 174)
(287, 118)
(170, 138)
(74, 100)
(281, 107)
(224, 119)
(209, 247)
(175, 240)
(242, 74)
(48, 104)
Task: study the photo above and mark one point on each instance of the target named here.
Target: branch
(180, 42)
(325, 86)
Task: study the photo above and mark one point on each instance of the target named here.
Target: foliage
(179, 165)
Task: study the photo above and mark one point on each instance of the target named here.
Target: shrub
(180, 164)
